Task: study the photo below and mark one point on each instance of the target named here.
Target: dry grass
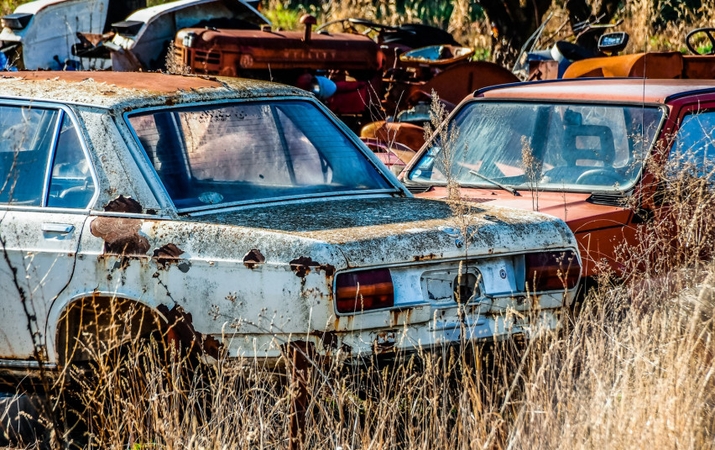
(633, 369)
(618, 377)
(644, 21)
(641, 21)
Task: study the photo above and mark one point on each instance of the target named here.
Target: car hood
(577, 209)
(395, 230)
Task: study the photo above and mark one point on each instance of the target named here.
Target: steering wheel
(605, 177)
(691, 41)
(349, 25)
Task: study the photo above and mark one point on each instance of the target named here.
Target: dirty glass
(71, 185)
(27, 136)
(558, 146)
(693, 150)
(251, 152)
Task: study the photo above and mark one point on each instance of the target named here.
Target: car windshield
(558, 146)
(252, 152)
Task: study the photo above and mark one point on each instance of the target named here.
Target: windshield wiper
(511, 190)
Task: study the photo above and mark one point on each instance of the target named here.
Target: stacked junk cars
(234, 218)
(361, 72)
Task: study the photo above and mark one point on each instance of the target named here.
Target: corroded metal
(126, 91)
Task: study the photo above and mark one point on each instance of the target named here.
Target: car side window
(26, 139)
(71, 184)
(28, 144)
(693, 150)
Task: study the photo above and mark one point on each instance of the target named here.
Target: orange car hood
(581, 215)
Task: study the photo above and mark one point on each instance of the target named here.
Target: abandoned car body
(41, 34)
(246, 212)
(587, 151)
(142, 40)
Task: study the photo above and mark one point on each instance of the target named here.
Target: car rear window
(252, 152)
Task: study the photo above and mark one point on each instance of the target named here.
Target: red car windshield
(557, 146)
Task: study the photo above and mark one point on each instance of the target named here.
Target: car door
(46, 187)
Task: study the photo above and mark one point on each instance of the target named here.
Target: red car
(582, 150)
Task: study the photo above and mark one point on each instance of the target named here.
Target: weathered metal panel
(255, 309)
(51, 31)
(228, 52)
(405, 229)
(35, 265)
(118, 172)
(125, 91)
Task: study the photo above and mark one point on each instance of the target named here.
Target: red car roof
(609, 89)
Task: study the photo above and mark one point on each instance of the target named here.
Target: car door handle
(62, 228)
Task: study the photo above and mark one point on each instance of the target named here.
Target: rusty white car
(242, 216)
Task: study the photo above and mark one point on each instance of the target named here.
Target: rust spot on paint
(124, 204)
(253, 258)
(121, 235)
(329, 269)
(329, 339)
(425, 257)
(168, 254)
(400, 316)
(343, 322)
(182, 332)
(303, 265)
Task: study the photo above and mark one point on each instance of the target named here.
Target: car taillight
(363, 291)
(551, 271)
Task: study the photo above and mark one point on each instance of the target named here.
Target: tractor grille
(204, 58)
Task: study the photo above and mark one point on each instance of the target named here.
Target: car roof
(129, 90)
(36, 6)
(609, 89)
(147, 14)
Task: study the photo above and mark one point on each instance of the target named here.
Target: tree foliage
(513, 21)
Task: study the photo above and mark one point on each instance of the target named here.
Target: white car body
(253, 275)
